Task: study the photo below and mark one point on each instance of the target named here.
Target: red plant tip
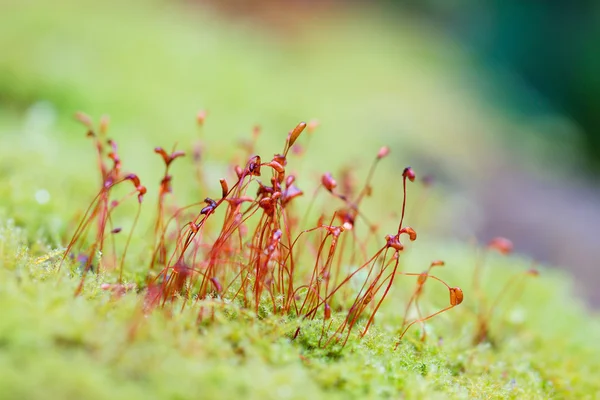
(345, 215)
(108, 182)
(393, 241)
(409, 174)
(289, 180)
(327, 313)
(141, 192)
(104, 121)
(502, 245)
(113, 156)
(533, 272)
(334, 231)
(281, 159)
(210, 202)
(84, 119)
(328, 182)
(291, 192)
(201, 117)
(239, 171)
(116, 230)
(268, 205)
(168, 158)
(412, 234)
(113, 145)
(210, 206)
(276, 166)
(383, 152)
(176, 154)
(163, 154)
(312, 125)
(456, 296)
(254, 166)
(437, 263)
(224, 187)
(134, 179)
(347, 226)
(295, 133)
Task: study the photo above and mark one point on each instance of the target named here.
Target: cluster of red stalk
(248, 245)
(514, 285)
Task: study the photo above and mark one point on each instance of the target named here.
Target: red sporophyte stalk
(101, 209)
(164, 189)
(484, 313)
(421, 280)
(249, 244)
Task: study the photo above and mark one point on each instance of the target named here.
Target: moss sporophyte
(252, 246)
(281, 269)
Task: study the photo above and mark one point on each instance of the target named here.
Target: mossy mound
(96, 347)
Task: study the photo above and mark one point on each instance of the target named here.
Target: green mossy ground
(53, 345)
(57, 346)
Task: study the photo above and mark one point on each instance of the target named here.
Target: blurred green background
(550, 48)
(496, 100)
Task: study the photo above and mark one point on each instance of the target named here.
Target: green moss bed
(53, 345)
(543, 341)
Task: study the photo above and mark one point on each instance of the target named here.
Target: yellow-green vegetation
(55, 345)
(151, 66)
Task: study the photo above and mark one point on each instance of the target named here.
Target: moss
(54, 345)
